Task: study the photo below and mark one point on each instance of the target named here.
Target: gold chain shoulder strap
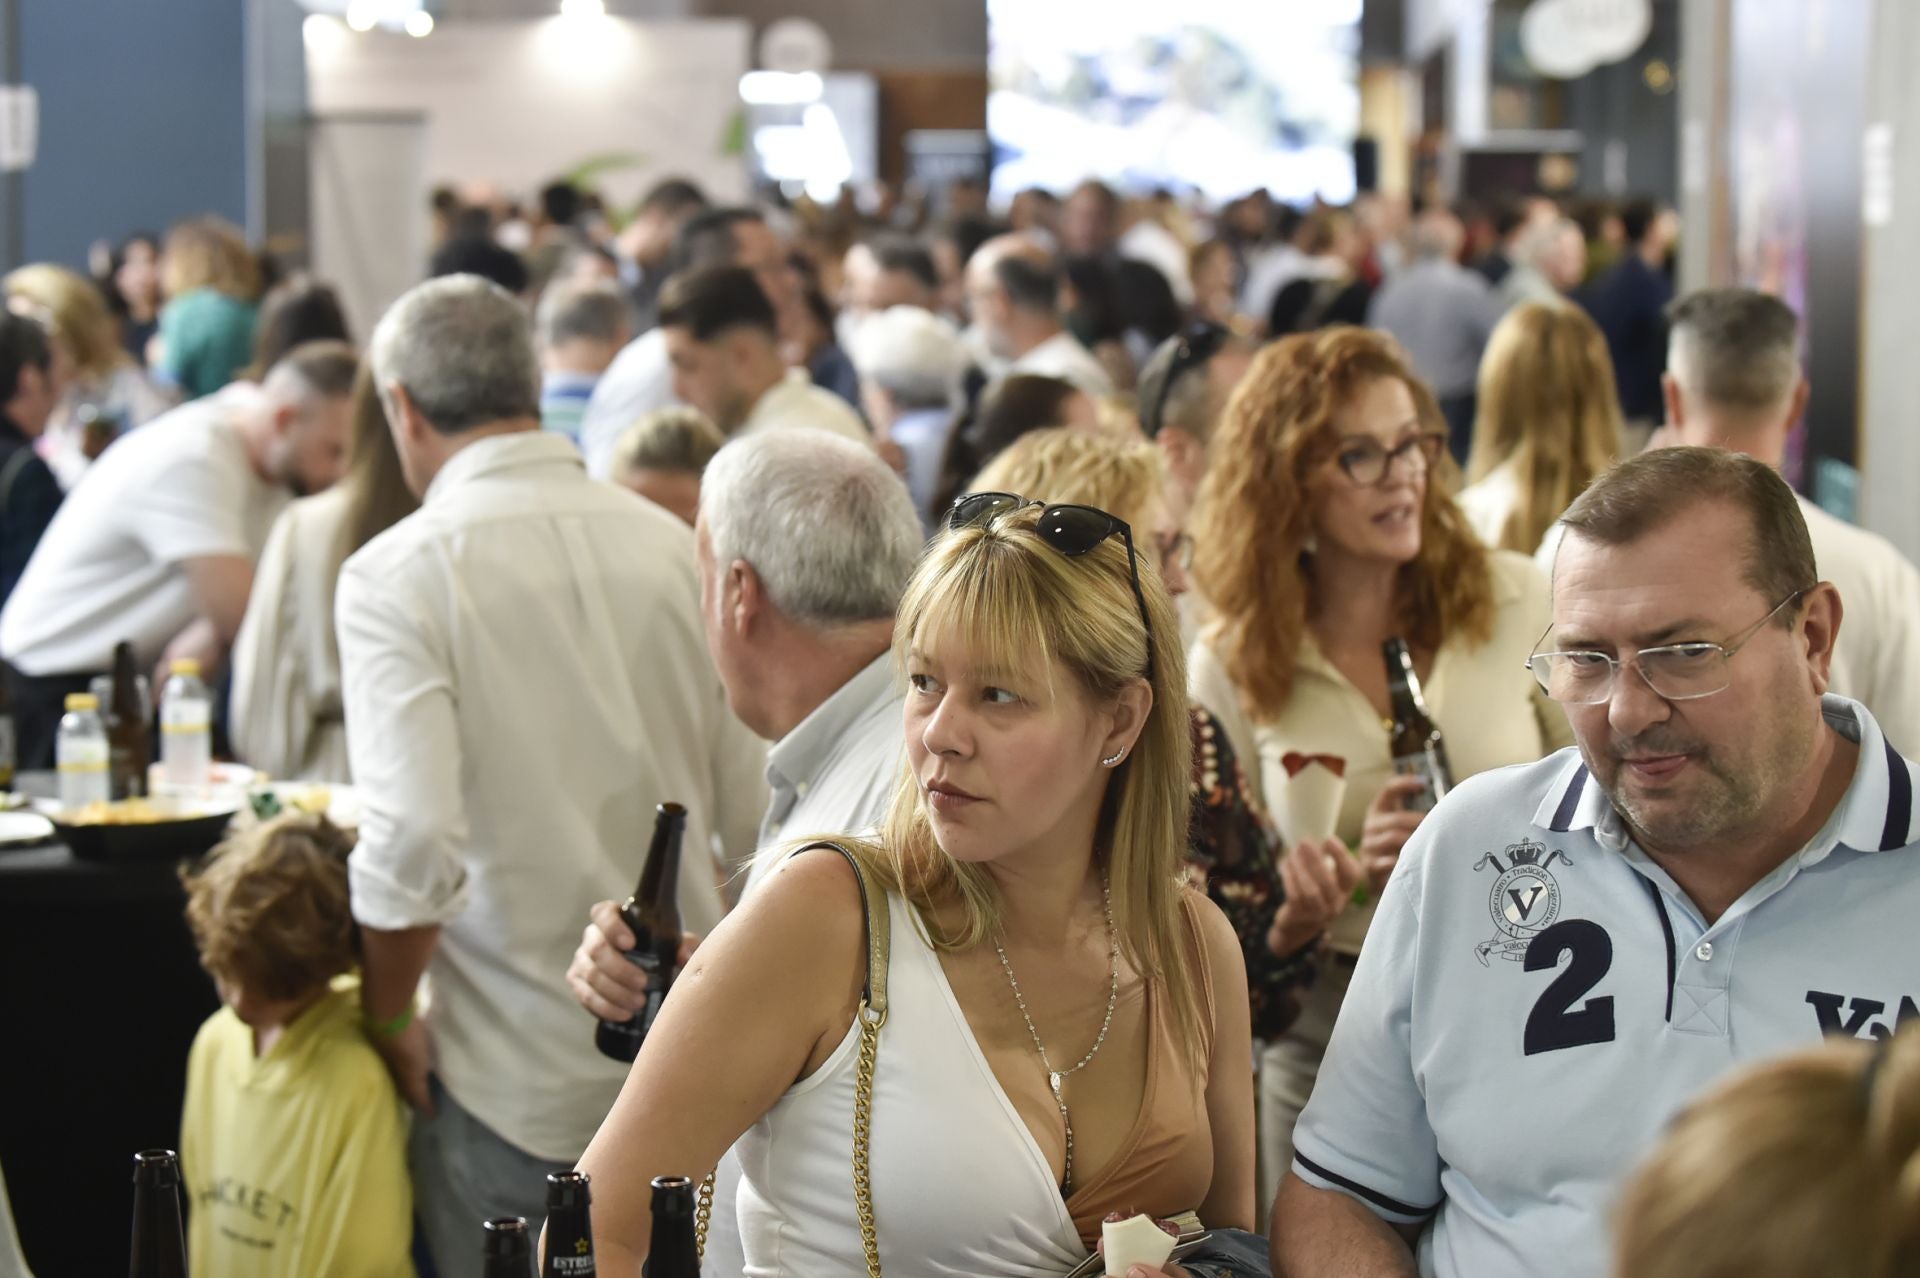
(871, 1017)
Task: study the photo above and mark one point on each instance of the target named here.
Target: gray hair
(827, 526)
(573, 312)
(912, 354)
(1735, 349)
(462, 349)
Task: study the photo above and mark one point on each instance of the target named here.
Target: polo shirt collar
(1876, 814)
(796, 759)
(497, 453)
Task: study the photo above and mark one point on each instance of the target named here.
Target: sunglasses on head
(1197, 345)
(1071, 530)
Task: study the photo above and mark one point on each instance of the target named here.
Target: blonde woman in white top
(1330, 532)
(1548, 422)
(1032, 866)
(285, 711)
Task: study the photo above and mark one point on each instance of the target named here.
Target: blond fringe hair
(1004, 598)
(79, 315)
(1060, 464)
(1796, 1167)
(1548, 407)
(209, 252)
(1254, 519)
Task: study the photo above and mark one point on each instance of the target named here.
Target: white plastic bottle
(186, 729)
(80, 753)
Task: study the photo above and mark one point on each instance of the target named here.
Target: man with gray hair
(805, 541)
(911, 362)
(1442, 313)
(1548, 258)
(524, 681)
(580, 328)
(1733, 381)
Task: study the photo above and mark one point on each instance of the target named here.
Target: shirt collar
(797, 758)
(496, 453)
(1875, 814)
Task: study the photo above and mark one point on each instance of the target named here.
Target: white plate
(24, 827)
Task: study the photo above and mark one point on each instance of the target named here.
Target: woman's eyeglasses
(1368, 462)
(1071, 530)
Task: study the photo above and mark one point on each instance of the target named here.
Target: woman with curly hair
(1330, 529)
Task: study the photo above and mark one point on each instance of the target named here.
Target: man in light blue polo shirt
(1572, 950)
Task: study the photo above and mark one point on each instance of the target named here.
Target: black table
(100, 995)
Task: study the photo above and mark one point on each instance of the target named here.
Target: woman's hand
(1387, 828)
(1318, 876)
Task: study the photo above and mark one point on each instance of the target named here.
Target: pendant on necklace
(1054, 1081)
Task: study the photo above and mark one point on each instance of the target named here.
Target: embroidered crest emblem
(1524, 901)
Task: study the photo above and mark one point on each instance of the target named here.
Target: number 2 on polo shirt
(1525, 903)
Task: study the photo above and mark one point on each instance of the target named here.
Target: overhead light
(583, 8)
(419, 24)
(780, 88)
(362, 15)
(321, 32)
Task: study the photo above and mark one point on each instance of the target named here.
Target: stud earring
(1113, 760)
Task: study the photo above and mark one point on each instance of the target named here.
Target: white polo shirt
(1537, 999)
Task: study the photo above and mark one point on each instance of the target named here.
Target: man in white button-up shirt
(804, 544)
(524, 680)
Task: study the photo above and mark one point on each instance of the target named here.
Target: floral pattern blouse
(1235, 848)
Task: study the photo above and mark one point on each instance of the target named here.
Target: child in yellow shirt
(293, 1139)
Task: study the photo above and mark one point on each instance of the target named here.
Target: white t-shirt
(1064, 357)
(109, 568)
(639, 380)
(794, 402)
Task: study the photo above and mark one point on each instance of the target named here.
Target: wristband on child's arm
(394, 1028)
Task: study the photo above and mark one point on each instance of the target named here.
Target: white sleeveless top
(960, 1187)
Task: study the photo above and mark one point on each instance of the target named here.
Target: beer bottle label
(1427, 766)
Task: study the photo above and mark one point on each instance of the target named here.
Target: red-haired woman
(1326, 528)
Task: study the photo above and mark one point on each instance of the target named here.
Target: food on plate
(132, 812)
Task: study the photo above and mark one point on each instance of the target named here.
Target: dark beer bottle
(9, 739)
(653, 914)
(127, 742)
(674, 1251)
(569, 1226)
(506, 1251)
(1414, 738)
(159, 1244)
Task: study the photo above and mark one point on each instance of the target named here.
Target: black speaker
(1366, 164)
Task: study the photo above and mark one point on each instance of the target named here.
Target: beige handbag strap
(870, 1017)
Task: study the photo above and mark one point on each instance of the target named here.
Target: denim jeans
(1230, 1253)
(464, 1173)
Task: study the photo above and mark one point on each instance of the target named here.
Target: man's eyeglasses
(1071, 530)
(1675, 672)
(1198, 344)
(1368, 462)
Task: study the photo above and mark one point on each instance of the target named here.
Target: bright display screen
(1214, 96)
